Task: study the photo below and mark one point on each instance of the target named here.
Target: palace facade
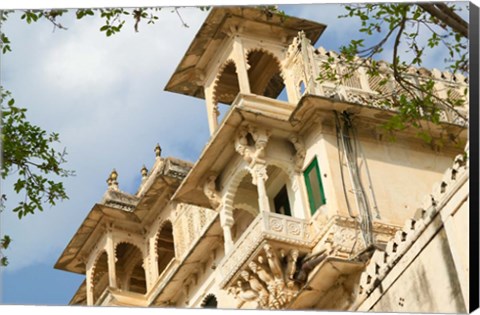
(300, 203)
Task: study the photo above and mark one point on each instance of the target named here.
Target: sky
(105, 98)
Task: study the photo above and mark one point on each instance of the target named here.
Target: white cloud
(105, 97)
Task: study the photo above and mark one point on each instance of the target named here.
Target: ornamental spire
(112, 180)
(144, 172)
(158, 151)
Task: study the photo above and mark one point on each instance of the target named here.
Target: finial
(112, 180)
(144, 171)
(114, 175)
(158, 151)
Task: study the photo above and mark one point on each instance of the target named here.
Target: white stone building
(300, 203)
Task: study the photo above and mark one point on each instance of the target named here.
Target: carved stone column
(89, 286)
(112, 275)
(259, 176)
(150, 266)
(212, 110)
(255, 155)
(290, 87)
(241, 65)
(226, 221)
(153, 261)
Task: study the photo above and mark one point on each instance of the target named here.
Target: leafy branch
(28, 153)
(412, 91)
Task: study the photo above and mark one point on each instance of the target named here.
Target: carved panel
(269, 278)
(266, 226)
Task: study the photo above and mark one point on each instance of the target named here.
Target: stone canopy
(215, 30)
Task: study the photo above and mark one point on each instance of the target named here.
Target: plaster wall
(401, 174)
(429, 284)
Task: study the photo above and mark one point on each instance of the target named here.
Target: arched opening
(264, 74)
(137, 279)
(165, 246)
(226, 88)
(210, 301)
(100, 276)
(129, 268)
(246, 206)
(279, 191)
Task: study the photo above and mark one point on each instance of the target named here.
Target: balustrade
(304, 64)
(266, 226)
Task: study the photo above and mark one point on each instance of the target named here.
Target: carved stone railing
(266, 226)
(304, 65)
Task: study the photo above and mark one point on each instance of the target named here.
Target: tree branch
(447, 18)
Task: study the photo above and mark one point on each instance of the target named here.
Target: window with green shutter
(313, 181)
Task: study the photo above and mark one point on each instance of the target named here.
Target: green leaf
(3, 261)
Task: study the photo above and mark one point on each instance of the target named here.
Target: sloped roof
(215, 29)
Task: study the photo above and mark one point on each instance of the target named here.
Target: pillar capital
(251, 142)
(259, 173)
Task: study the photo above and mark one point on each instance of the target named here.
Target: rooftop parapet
(305, 64)
(173, 168)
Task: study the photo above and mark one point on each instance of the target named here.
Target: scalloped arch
(220, 72)
(234, 182)
(271, 54)
(129, 242)
(161, 225)
(94, 265)
(207, 299)
(286, 167)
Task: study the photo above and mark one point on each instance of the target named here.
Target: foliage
(413, 32)
(4, 243)
(29, 154)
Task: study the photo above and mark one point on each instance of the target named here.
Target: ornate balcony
(279, 260)
(267, 228)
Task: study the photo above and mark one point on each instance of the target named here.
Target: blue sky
(105, 98)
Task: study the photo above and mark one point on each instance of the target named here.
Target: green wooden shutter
(313, 181)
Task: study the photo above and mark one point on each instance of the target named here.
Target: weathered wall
(429, 284)
(425, 267)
